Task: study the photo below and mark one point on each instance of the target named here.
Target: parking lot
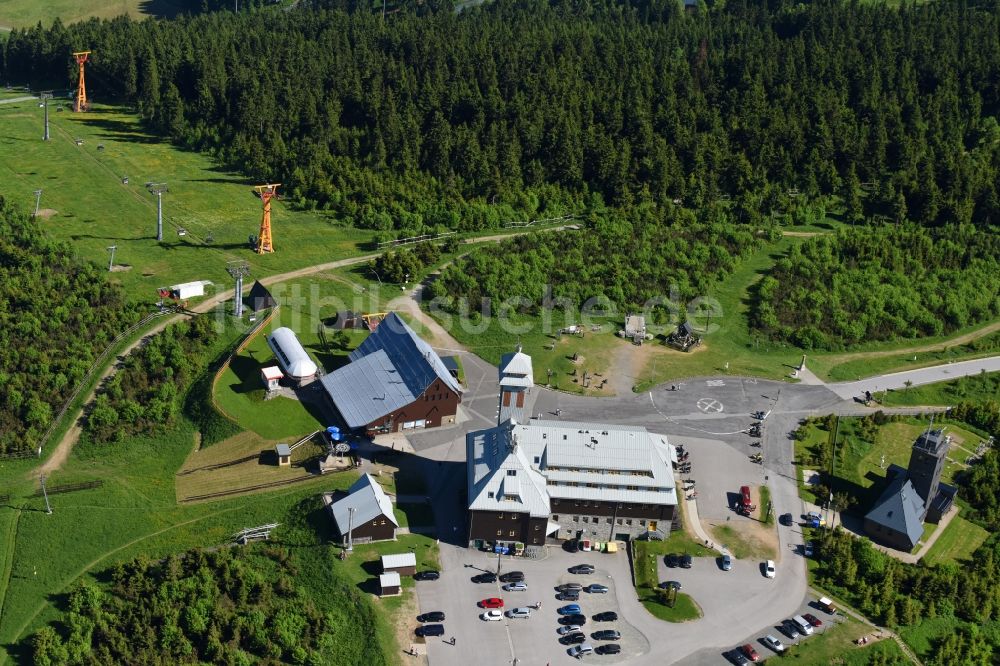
(533, 640)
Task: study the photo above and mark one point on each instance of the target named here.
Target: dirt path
(951, 342)
(803, 234)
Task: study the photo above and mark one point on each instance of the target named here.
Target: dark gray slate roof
(260, 298)
(390, 369)
(900, 508)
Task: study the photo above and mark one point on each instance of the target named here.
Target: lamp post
(350, 528)
(45, 97)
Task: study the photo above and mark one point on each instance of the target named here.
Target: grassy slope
(971, 389)
(25, 13)
(95, 210)
(958, 541)
(835, 645)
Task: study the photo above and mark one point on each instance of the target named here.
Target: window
(595, 520)
(500, 516)
(538, 459)
(642, 523)
(512, 472)
(609, 521)
(511, 533)
(490, 494)
(538, 527)
(499, 532)
(628, 521)
(619, 521)
(555, 518)
(586, 519)
(576, 519)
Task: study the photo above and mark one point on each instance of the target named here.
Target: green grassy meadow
(835, 645)
(26, 13)
(959, 540)
(976, 388)
(84, 201)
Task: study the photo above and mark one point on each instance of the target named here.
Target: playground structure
(264, 244)
(81, 104)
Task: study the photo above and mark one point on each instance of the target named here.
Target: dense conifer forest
(880, 283)
(56, 315)
(462, 119)
(232, 606)
(646, 258)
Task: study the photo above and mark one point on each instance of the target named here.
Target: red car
(750, 652)
(813, 620)
(492, 602)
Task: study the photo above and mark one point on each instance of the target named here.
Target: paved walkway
(695, 522)
(938, 373)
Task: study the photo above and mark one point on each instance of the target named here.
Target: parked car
(738, 658)
(573, 639)
(671, 585)
(569, 629)
(430, 630)
(807, 549)
(567, 587)
(606, 616)
(769, 569)
(686, 561)
(608, 648)
(522, 613)
(569, 595)
(492, 615)
(750, 653)
(581, 569)
(597, 588)
(578, 619)
(671, 560)
(814, 519)
(516, 587)
(485, 578)
(826, 604)
(569, 609)
(572, 545)
(727, 562)
(772, 642)
(786, 519)
(433, 616)
(427, 575)
(492, 602)
(606, 635)
(580, 650)
(813, 620)
(789, 629)
(512, 577)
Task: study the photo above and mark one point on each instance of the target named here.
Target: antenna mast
(81, 87)
(158, 189)
(266, 193)
(239, 270)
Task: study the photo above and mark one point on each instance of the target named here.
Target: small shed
(284, 455)
(260, 298)
(348, 319)
(390, 585)
(404, 564)
(271, 376)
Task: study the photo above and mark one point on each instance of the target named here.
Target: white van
(802, 625)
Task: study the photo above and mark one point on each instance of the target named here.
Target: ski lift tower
(266, 193)
(81, 103)
(239, 270)
(45, 97)
(158, 189)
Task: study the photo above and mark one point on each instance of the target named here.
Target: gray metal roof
(516, 370)
(417, 363)
(573, 460)
(389, 370)
(367, 389)
(367, 499)
(500, 478)
(397, 560)
(900, 508)
(283, 450)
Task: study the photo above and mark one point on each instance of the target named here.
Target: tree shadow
(163, 9)
(247, 370)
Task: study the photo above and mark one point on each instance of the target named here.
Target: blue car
(571, 609)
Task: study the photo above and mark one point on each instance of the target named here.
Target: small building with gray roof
(365, 511)
(394, 382)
